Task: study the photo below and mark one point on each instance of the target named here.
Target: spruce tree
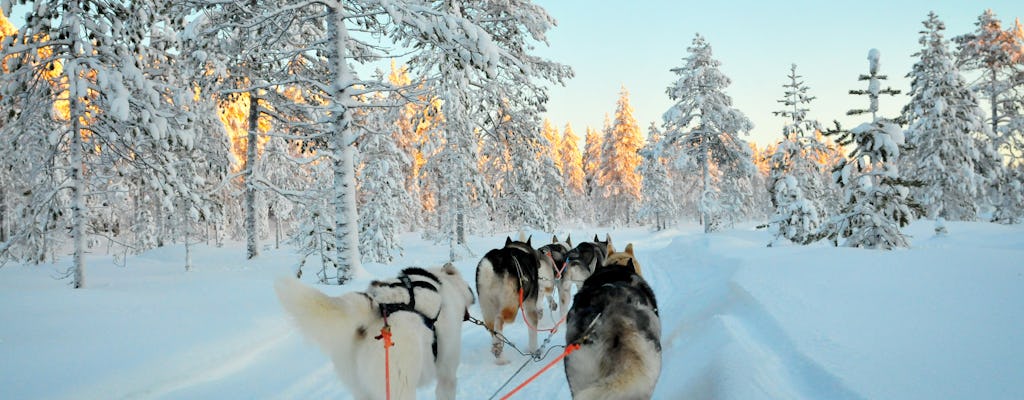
(796, 181)
(947, 138)
(876, 199)
(703, 128)
(658, 204)
(619, 182)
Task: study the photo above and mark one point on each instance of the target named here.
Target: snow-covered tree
(526, 187)
(553, 138)
(997, 54)
(618, 181)
(416, 125)
(487, 75)
(572, 165)
(876, 199)
(948, 142)
(103, 63)
(703, 126)
(658, 204)
(594, 141)
(796, 181)
(383, 197)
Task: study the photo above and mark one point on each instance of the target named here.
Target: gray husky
(614, 318)
(577, 266)
(556, 252)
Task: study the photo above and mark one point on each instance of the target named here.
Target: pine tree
(618, 181)
(876, 203)
(658, 204)
(997, 54)
(796, 183)
(947, 135)
(702, 126)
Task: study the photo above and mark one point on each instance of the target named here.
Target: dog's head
(624, 259)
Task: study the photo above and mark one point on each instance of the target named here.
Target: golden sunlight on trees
(233, 113)
(418, 121)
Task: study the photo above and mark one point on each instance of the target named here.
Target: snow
(941, 319)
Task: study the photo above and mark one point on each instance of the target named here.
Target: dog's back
(615, 319)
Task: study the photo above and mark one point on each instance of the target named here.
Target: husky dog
(500, 277)
(614, 318)
(556, 252)
(424, 310)
(579, 263)
(620, 258)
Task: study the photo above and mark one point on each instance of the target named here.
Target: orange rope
(553, 329)
(385, 333)
(568, 349)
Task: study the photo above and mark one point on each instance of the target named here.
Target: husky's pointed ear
(629, 249)
(554, 238)
(596, 239)
(568, 240)
(528, 240)
(629, 264)
(508, 240)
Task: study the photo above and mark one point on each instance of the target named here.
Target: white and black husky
(424, 310)
(578, 264)
(500, 277)
(614, 318)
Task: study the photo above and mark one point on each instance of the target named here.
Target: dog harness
(387, 309)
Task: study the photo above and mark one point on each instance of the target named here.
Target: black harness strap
(387, 309)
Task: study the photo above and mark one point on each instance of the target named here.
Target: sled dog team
(613, 318)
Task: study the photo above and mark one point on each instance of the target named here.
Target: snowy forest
(335, 126)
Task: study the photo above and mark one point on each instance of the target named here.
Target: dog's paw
(496, 349)
(552, 304)
(501, 361)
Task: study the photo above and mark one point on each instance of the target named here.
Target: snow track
(739, 321)
(733, 348)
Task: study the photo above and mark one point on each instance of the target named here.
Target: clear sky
(635, 43)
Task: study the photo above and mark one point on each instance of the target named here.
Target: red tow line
(385, 333)
(568, 349)
(553, 329)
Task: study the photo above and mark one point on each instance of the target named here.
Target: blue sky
(611, 44)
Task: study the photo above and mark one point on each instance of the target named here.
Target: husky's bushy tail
(319, 317)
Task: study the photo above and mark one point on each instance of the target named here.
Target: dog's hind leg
(564, 294)
(533, 317)
(497, 346)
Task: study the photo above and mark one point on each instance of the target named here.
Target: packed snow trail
(739, 321)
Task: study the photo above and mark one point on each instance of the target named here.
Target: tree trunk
(3, 214)
(251, 234)
(994, 99)
(705, 182)
(342, 148)
(188, 237)
(77, 185)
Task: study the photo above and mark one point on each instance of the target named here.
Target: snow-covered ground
(942, 320)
